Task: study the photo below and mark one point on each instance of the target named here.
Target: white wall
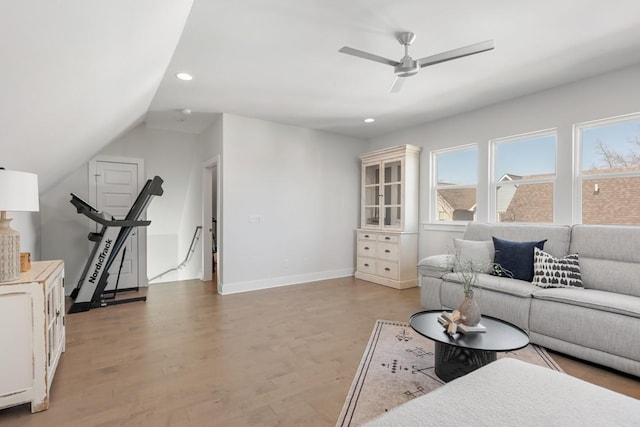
(604, 96)
(171, 155)
(301, 189)
(63, 231)
(303, 184)
(175, 157)
(211, 139)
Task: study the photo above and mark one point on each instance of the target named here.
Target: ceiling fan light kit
(407, 66)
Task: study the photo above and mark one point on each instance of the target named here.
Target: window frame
(493, 182)
(433, 163)
(578, 177)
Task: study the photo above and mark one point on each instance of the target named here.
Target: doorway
(211, 221)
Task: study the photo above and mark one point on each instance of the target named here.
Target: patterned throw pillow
(550, 272)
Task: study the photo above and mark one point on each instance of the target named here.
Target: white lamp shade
(19, 191)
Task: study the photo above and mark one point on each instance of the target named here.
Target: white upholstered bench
(510, 392)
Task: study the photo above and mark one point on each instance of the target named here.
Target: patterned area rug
(398, 365)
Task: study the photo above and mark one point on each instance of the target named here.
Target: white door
(116, 190)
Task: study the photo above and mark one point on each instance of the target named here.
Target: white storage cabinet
(387, 240)
(32, 334)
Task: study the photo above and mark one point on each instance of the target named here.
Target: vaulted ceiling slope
(76, 74)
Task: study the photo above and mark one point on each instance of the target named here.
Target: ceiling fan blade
(397, 84)
(366, 55)
(456, 53)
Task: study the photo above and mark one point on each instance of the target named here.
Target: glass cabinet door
(392, 194)
(372, 193)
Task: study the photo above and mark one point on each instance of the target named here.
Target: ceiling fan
(407, 66)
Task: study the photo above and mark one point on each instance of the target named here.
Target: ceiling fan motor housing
(407, 67)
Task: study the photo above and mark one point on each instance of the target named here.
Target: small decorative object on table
(469, 309)
(454, 323)
(25, 262)
(467, 273)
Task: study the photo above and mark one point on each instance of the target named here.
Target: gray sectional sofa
(599, 322)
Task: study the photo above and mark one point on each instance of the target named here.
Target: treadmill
(90, 291)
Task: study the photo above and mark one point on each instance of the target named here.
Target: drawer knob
(387, 251)
(387, 238)
(366, 236)
(387, 269)
(366, 265)
(366, 248)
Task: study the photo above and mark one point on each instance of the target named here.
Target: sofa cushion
(609, 257)
(557, 235)
(551, 272)
(506, 299)
(591, 298)
(478, 254)
(436, 265)
(518, 288)
(515, 257)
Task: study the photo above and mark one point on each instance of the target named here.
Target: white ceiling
(278, 60)
(77, 74)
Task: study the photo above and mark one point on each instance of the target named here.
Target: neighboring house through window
(524, 172)
(454, 182)
(607, 171)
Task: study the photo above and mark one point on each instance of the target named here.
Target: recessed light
(369, 120)
(184, 76)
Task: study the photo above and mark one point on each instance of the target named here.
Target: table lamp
(18, 192)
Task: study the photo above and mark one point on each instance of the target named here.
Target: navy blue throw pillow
(515, 259)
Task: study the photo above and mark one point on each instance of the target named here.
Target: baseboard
(276, 282)
(396, 284)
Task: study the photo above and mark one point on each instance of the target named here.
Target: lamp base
(9, 251)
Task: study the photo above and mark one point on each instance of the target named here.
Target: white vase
(469, 309)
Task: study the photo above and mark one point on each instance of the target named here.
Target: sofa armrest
(436, 265)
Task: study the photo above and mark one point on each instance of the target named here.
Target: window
(608, 171)
(455, 178)
(524, 172)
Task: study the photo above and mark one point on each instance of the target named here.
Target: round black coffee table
(459, 354)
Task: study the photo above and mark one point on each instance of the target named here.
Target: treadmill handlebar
(155, 186)
(81, 205)
(89, 211)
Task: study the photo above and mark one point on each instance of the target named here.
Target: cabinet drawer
(390, 238)
(387, 269)
(367, 249)
(367, 265)
(363, 235)
(388, 251)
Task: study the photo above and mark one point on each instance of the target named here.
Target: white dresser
(387, 240)
(388, 258)
(32, 334)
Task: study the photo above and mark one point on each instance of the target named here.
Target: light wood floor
(190, 357)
